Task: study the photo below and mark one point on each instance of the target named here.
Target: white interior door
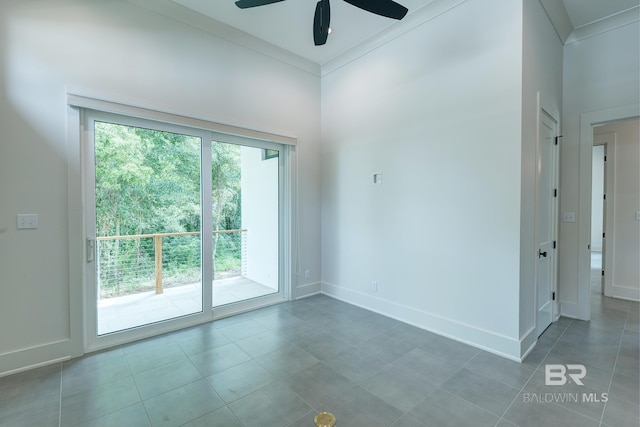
(546, 212)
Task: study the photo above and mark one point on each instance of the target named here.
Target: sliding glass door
(246, 222)
(183, 225)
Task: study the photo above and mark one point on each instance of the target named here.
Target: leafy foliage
(148, 182)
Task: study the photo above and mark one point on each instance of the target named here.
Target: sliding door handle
(91, 249)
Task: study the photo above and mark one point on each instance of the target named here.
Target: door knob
(542, 254)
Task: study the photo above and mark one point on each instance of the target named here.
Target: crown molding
(612, 22)
(413, 20)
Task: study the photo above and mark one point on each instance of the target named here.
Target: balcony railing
(138, 255)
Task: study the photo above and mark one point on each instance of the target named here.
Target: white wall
(125, 53)
(601, 74)
(260, 216)
(597, 194)
(626, 202)
(542, 77)
(438, 112)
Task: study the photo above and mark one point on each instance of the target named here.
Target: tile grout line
(613, 372)
(516, 398)
(60, 397)
(532, 374)
(601, 422)
(439, 387)
(277, 379)
(135, 383)
(469, 402)
(564, 407)
(355, 383)
(501, 417)
(564, 330)
(494, 379)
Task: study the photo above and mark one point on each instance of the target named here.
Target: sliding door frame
(171, 123)
(283, 235)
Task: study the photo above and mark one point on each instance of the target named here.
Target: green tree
(226, 209)
(147, 182)
(121, 192)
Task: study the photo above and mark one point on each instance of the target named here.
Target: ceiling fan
(388, 8)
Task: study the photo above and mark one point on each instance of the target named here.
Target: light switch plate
(568, 217)
(27, 221)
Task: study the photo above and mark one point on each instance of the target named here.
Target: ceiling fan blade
(321, 21)
(388, 8)
(245, 4)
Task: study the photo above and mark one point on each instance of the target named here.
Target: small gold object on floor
(325, 419)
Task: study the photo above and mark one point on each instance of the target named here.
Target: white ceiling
(288, 24)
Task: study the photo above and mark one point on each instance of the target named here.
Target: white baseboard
(483, 339)
(622, 292)
(527, 342)
(306, 290)
(34, 357)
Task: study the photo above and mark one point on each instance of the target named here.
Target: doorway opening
(598, 210)
(615, 201)
(589, 122)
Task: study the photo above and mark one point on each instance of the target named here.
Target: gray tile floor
(280, 365)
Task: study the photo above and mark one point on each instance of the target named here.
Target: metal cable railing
(134, 263)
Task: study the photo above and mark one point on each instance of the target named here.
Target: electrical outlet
(27, 221)
(307, 274)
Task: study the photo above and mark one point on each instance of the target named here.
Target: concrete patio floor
(119, 313)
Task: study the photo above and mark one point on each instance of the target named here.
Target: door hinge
(553, 296)
(604, 196)
(603, 235)
(554, 244)
(605, 158)
(558, 139)
(603, 272)
(555, 192)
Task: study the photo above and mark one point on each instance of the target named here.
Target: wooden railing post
(157, 241)
(158, 249)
